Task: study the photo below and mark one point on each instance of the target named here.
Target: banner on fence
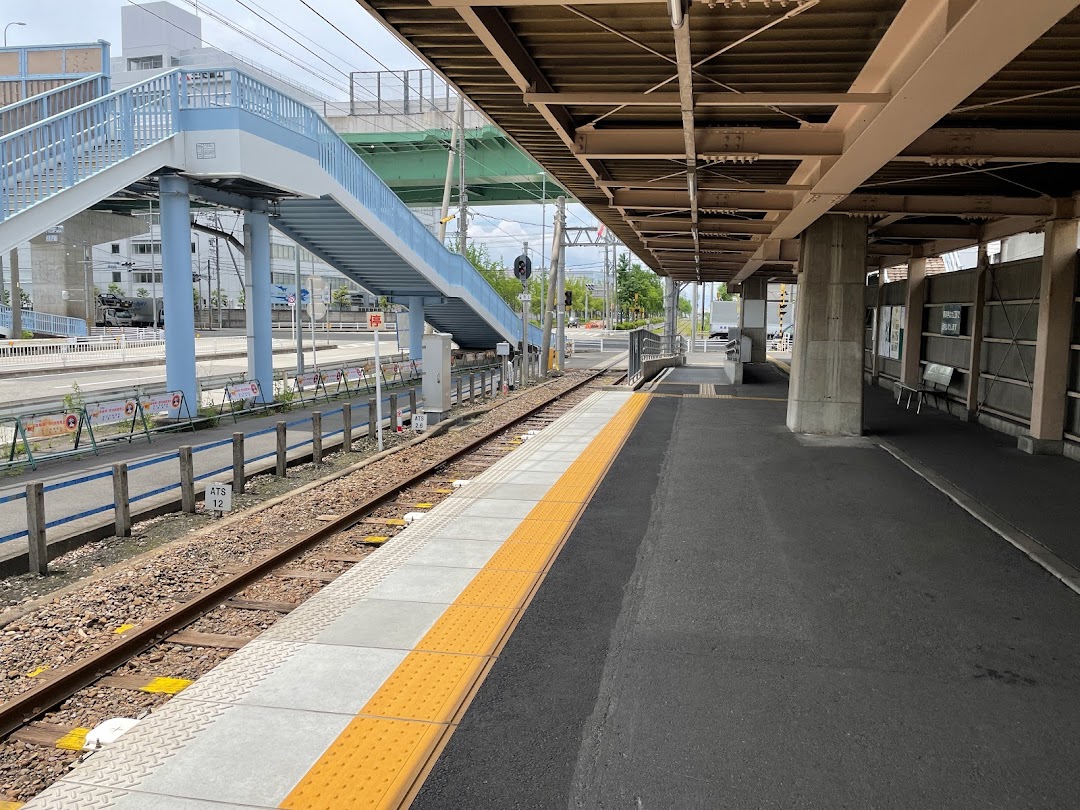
(45, 425)
(238, 392)
(169, 403)
(112, 413)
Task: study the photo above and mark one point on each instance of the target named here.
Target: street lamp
(6, 27)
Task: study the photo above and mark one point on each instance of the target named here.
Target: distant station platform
(664, 600)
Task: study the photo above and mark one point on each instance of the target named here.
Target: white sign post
(375, 324)
(218, 497)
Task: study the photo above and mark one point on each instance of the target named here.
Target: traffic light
(568, 299)
(522, 268)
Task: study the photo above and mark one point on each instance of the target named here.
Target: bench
(935, 383)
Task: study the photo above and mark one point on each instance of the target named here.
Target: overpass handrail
(51, 155)
(38, 107)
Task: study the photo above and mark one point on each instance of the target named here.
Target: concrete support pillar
(16, 295)
(755, 289)
(416, 327)
(176, 288)
(826, 390)
(260, 350)
(978, 311)
(911, 352)
(1057, 289)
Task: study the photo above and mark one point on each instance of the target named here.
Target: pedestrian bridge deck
(738, 617)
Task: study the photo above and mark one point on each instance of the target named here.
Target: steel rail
(24, 708)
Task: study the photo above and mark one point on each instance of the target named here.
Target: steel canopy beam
(944, 51)
(601, 99)
(736, 144)
(860, 204)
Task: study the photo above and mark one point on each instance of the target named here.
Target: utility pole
(16, 295)
(217, 273)
(463, 192)
(88, 274)
(451, 151)
(549, 302)
(525, 322)
(153, 267)
(560, 296)
(297, 311)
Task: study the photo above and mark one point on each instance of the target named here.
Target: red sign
(71, 421)
(375, 320)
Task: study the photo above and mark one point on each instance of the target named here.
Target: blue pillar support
(176, 289)
(260, 341)
(416, 327)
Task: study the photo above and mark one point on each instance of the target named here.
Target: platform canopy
(709, 135)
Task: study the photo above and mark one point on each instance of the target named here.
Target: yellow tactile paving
(426, 686)
(521, 557)
(166, 686)
(539, 532)
(74, 740)
(553, 510)
(375, 761)
(467, 629)
(370, 765)
(506, 589)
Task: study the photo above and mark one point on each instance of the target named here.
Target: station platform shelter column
(1057, 291)
(416, 327)
(826, 362)
(176, 288)
(756, 327)
(257, 271)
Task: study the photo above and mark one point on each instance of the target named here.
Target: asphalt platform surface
(744, 618)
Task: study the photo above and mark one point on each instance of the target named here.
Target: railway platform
(665, 599)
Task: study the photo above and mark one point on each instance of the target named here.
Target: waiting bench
(935, 383)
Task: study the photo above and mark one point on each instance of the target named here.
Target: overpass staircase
(221, 127)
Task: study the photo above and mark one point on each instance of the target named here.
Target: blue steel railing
(29, 111)
(42, 323)
(49, 156)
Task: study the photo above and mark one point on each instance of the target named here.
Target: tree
(684, 306)
(241, 300)
(722, 293)
(342, 297)
(116, 289)
(497, 275)
(142, 292)
(640, 291)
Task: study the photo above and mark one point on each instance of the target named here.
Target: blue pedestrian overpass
(225, 138)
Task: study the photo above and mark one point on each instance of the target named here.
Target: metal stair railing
(44, 105)
(43, 323)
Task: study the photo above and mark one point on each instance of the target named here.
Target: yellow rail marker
(166, 686)
(394, 522)
(376, 760)
(124, 628)
(423, 505)
(74, 740)
(375, 539)
(10, 805)
(37, 671)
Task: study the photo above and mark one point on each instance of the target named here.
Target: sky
(326, 56)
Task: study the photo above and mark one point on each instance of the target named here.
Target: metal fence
(645, 345)
(43, 323)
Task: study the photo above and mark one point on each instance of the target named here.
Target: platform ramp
(246, 144)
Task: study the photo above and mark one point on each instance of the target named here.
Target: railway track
(41, 717)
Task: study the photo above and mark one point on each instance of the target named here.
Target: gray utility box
(436, 386)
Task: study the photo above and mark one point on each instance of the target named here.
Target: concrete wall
(57, 260)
